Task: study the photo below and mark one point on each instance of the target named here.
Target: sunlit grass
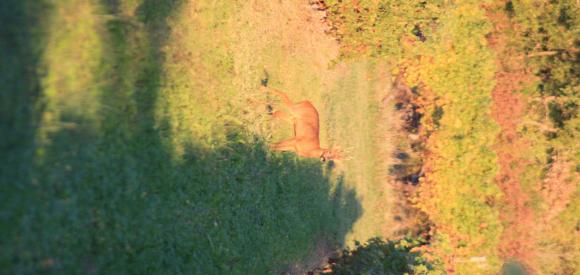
(71, 60)
(150, 148)
(356, 123)
(346, 95)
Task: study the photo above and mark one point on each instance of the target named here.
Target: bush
(380, 257)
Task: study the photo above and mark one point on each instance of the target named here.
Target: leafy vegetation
(458, 67)
(379, 257)
(546, 35)
(385, 28)
(444, 48)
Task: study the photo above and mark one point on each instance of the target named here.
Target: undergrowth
(546, 36)
(443, 49)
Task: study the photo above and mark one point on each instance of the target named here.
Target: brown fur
(304, 117)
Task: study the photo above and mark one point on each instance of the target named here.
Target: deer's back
(306, 123)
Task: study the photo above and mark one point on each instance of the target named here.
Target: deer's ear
(322, 158)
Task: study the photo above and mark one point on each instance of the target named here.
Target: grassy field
(134, 139)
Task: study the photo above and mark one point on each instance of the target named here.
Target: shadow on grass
(111, 198)
(21, 48)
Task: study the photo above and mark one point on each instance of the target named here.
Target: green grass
(364, 135)
(133, 140)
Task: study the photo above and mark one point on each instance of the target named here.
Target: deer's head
(330, 154)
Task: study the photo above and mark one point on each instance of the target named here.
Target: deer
(305, 119)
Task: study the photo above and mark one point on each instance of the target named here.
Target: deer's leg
(285, 145)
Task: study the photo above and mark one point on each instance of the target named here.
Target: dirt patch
(508, 110)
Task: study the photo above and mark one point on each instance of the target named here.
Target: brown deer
(304, 117)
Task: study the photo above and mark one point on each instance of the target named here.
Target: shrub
(385, 257)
